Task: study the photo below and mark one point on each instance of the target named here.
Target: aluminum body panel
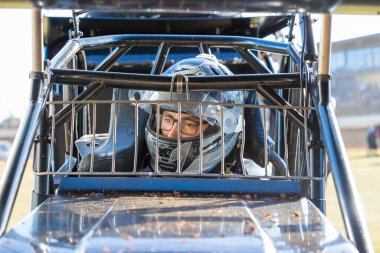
(174, 223)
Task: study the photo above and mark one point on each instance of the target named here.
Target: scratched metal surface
(151, 223)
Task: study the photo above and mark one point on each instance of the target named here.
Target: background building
(355, 66)
(8, 128)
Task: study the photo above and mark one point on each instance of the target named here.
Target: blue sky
(15, 52)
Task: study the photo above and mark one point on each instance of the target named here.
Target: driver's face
(190, 125)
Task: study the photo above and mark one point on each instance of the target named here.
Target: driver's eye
(167, 120)
(190, 124)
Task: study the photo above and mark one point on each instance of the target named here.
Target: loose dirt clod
(246, 197)
(297, 214)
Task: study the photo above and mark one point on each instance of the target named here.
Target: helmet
(208, 110)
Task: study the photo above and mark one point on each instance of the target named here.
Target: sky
(16, 62)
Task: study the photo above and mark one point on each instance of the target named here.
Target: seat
(125, 136)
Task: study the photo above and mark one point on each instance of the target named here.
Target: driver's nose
(174, 132)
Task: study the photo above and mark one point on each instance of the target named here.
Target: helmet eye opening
(189, 126)
(186, 126)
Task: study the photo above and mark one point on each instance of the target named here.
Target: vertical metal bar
(325, 164)
(309, 167)
(52, 140)
(222, 169)
(93, 136)
(41, 163)
(286, 154)
(136, 137)
(51, 109)
(279, 134)
(204, 48)
(201, 51)
(37, 41)
(15, 165)
(243, 143)
(314, 153)
(286, 67)
(37, 66)
(348, 196)
(179, 139)
(201, 139)
(349, 200)
(79, 130)
(325, 45)
(157, 136)
(71, 136)
(265, 142)
(307, 33)
(114, 139)
(306, 137)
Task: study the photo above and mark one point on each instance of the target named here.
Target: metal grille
(296, 170)
(291, 141)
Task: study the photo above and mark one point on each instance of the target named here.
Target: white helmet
(202, 65)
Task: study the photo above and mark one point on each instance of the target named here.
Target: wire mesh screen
(135, 143)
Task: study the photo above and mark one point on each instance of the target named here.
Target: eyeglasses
(188, 126)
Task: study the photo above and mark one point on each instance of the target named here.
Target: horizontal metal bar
(157, 102)
(95, 184)
(162, 83)
(179, 175)
(188, 40)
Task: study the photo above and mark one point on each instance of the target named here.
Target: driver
(191, 121)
